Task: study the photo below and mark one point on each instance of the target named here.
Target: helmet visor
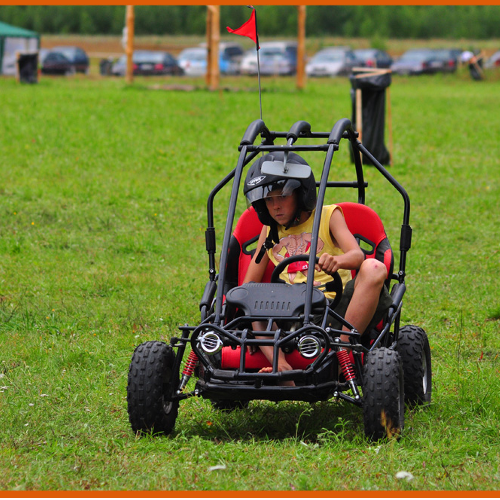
(285, 187)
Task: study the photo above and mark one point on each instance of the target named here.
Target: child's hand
(327, 263)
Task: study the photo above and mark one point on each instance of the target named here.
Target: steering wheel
(331, 286)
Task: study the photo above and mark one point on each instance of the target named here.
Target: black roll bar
(341, 130)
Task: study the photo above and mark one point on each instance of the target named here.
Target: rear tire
(151, 383)
(383, 394)
(414, 350)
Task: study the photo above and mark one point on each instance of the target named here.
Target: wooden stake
(129, 76)
(208, 73)
(212, 76)
(18, 73)
(301, 50)
(359, 114)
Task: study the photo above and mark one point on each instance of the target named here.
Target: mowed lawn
(103, 193)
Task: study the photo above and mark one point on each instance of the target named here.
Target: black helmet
(258, 185)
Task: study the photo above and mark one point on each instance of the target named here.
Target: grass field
(103, 192)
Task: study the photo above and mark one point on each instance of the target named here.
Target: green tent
(12, 40)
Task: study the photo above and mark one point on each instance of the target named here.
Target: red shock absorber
(345, 364)
(348, 371)
(190, 364)
(188, 370)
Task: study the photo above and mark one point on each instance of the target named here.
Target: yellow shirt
(297, 240)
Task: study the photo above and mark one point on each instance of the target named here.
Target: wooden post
(18, 73)
(208, 73)
(301, 49)
(359, 114)
(129, 75)
(212, 76)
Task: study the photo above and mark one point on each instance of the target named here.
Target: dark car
(373, 58)
(415, 62)
(155, 62)
(56, 63)
(76, 56)
(148, 63)
(446, 60)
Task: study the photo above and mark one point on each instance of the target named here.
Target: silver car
(275, 58)
(332, 61)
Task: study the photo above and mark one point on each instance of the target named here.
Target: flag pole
(249, 29)
(258, 62)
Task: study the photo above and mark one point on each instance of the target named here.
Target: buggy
(379, 371)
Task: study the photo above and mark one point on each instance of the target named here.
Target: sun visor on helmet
(293, 170)
(260, 192)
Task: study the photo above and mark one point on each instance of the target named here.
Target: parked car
(230, 55)
(194, 60)
(42, 54)
(155, 62)
(493, 61)
(446, 60)
(56, 63)
(119, 67)
(373, 58)
(332, 61)
(275, 58)
(148, 63)
(77, 57)
(415, 62)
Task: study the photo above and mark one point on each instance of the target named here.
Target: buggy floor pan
(307, 393)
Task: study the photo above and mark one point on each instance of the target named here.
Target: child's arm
(255, 272)
(353, 255)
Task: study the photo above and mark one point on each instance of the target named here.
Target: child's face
(281, 208)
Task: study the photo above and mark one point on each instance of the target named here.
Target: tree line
(401, 21)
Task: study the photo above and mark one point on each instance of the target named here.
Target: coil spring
(346, 365)
(190, 364)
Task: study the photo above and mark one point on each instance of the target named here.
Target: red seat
(366, 226)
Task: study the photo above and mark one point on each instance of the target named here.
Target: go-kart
(379, 371)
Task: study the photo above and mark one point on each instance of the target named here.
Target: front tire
(413, 347)
(383, 394)
(151, 384)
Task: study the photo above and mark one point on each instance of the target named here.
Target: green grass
(102, 201)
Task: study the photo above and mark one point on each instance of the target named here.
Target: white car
(193, 61)
(275, 58)
(332, 61)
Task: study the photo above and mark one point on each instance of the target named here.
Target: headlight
(309, 346)
(210, 342)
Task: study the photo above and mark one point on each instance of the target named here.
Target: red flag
(248, 29)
